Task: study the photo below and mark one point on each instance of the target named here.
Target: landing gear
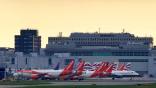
(80, 79)
(113, 78)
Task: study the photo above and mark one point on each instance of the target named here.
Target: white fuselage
(50, 72)
(124, 73)
(86, 74)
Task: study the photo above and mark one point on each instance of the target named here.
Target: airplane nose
(136, 74)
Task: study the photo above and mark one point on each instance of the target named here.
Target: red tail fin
(102, 67)
(80, 67)
(105, 67)
(121, 67)
(99, 70)
(70, 65)
(68, 69)
(110, 68)
(124, 66)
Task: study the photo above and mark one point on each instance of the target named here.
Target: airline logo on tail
(110, 68)
(128, 66)
(124, 67)
(121, 67)
(68, 69)
(80, 67)
(99, 70)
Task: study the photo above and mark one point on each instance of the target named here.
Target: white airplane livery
(104, 69)
(35, 74)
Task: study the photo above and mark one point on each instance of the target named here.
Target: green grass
(24, 82)
(98, 86)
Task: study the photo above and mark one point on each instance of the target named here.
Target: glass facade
(95, 44)
(133, 60)
(49, 61)
(13, 61)
(110, 54)
(26, 61)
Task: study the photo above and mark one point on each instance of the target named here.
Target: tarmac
(106, 81)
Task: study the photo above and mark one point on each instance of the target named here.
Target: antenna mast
(99, 29)
(60, 34)
(123, 30)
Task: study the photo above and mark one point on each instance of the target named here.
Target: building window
(133, 60)
(26, 60)
(49, 61)
(67, 61)
(13, 61)
(154, 59)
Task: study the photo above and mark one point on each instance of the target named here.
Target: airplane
(123, 71)
(105, 69)
(110, 70)
(36, 74)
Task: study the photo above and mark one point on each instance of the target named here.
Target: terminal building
(111, 47)
(91, 47)
(105, 44)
